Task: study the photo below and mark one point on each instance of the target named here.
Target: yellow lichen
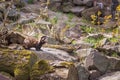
(66, 64)
(41, 67)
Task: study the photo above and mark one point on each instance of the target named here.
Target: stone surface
(83, 53)
(80, 2)
(94, 74)
(54, 54)
(96, 61)
(111, 76)
(114, 64)
(77, 10)
(17, 63)
(78, 72)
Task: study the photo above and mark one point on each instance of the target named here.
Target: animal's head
(43, 39)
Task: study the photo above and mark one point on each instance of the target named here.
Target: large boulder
(114, 64)
(96, 61)
(111, 76)
(78, 72)
(17, 62)
(83, 53)
(23, 64)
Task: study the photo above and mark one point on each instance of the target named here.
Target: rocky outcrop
(111, 76)
(96, 61)
(82, 8)
(23, 64)
(78, 72)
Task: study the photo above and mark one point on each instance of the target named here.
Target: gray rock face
(83, 53)
(114, 64)
(96, 61)
(77, 72)
(77, 10)
(111, 76)
(80, 2)
(94, 74)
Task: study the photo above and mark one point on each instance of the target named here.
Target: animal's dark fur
(30, 42)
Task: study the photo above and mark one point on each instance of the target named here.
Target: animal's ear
(43, 38)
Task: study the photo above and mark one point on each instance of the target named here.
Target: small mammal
(31, 42)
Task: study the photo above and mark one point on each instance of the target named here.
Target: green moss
(22, 72)
(41, 67)
(18, 63)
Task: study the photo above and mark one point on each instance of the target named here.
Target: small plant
(70, 17)
(54, 20)
(30, 1)
(94, 41)
(96, 18)
(114, 39)
(87, 29)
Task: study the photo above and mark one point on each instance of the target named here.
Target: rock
(96, 61)
(6, 76)
(1, 17)
(114, 64)
(78, 72)
(88, 12)
(27, 18)
(40, 68)
(13, 15)
(61, 64)
(74, 32)
(16, 46)
(19, 3)
(67, 6)
(17, 63)
(14, 37)
(55, 5)
(52, 41)
(110, 49)
(83, 53)
(54, 55)
(94, 74)
(77, 10)
(89, 3)
(52, 76)
(111, 76)
(80, 2)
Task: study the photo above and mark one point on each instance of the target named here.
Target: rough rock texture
(17, 63)
(114, 64)
(83, 53)
(111, 76)
(94, 74)
(23, 64)
(81, 2)
(96, 61)
(77, 72)
(6, 76)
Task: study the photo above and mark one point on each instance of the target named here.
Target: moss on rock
(41, 67)
(18, 63)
